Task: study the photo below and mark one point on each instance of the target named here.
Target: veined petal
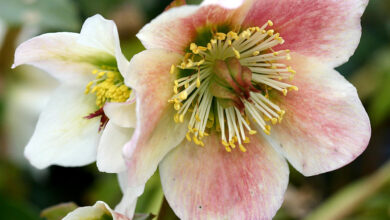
(171, 30)
(176, 28)
(210, 183)
(327, 29)
(121, 114)
(109, 153)
(325, 126)
(102, 34)
(97, 211)
(156, 132)
(62, 135)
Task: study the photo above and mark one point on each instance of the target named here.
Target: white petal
(130, 195)
(121, 114)
(231, 4)
(63, 136)
(102, 34)
(98, 211)
(109, 155)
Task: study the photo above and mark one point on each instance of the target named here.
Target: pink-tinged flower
(98, 211)
(92, 96)
(229, 91)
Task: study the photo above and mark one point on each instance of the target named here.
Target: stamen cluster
(108, 86)
(224, 103)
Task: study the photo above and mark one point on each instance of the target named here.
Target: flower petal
(130, 195)
(210, 183)
(63, 136)
(156, 132)
(176, 28)
(231, 4)
(98, 211)
(327, 29)
(60, 55)
(325, 126)
(102, 34)
(109, 154)
(121, 114)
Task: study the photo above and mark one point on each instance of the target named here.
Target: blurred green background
(360, 190)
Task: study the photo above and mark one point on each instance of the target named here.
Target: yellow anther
(201, 48)
(252, 132)
(177, 106)
(173, 68)
(175, 90)
(227, 148)
(232, 35)
(280, 39)
(284, 91)
(224, 143)
(270, 32)
(188, 137)
(289, 69)
(293, 88)
(213, 41)
(221, 36)
(209, 46)
(189, 64)
(193, 46)
(176, 118)
(200, 62)
(258, 29)
(288, 57)
(197, 117)
(181, 118)
(186, 85)
(183, 95)
(247, 140)
(231, 144)
(198, 82)
(236, 53)
(256, 53)
(270, 23)
(176, 82)
(274, 120)
(275, 53)
(242, 148)
(101, 74)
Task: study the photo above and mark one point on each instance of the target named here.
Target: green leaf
(58, 212)
(150, 201)
(52, 14)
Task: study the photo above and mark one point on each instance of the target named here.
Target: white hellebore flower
(98, 211)
(90, 116)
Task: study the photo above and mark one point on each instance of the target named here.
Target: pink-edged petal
(109, 154)
(62, 135)
(130, 195)
(98, 211)
(172, 30)
(176, 28)
(60, 55)
(325, 126)
(102, 34)
(327, 29)
(210, 183)
(156, 132)
(121, 114)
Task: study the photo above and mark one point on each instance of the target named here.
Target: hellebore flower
(228, 91)
(92, 96)
(98, 211)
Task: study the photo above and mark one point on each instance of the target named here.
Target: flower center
(224, 83)
(108, 86)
